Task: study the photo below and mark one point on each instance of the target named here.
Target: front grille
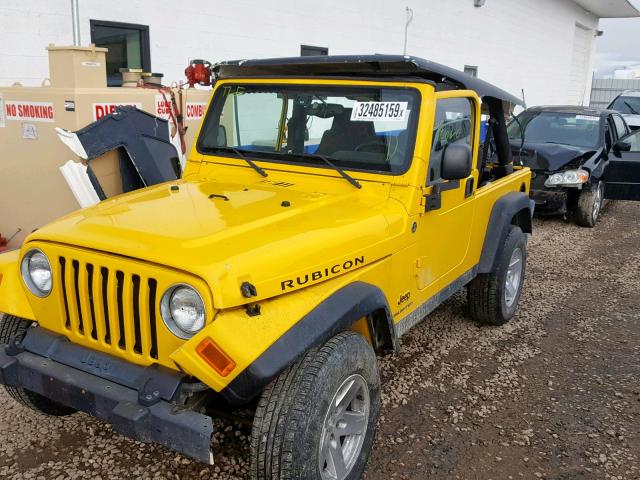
(112, 307)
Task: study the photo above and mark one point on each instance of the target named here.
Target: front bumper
(549, 201)
(139, 402)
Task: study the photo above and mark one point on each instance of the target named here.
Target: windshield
(551, 127)
(358, 128)
(626, 105)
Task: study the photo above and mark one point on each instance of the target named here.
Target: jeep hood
(226, 233)
(550, 156)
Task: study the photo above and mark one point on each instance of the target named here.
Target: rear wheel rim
(344, 429)
(514, 276)
(597, 202)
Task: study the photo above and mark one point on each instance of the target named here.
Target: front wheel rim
(344, 429)
(597, 202)
(514, 276)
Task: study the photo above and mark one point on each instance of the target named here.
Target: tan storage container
(32, 189)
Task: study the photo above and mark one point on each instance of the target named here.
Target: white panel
(609, 8)
(579, 73)
(516, 44)
(78, 180)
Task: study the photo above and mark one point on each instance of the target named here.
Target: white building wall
(516, 44)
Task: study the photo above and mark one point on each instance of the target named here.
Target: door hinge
(433, 200)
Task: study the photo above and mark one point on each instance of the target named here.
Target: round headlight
(36, 272)
(183, 310)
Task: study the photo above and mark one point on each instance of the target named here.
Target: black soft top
(369, 66)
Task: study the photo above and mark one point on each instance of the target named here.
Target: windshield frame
(517, 121)
(341, 85)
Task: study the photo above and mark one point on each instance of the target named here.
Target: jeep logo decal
(97, 364)
(404, 297)
(320, 274)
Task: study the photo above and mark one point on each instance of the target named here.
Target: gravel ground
(554, 394)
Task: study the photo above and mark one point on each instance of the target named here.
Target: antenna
(409, 19)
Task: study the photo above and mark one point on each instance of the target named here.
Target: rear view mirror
(221, 141)
(456, 162)
(324, 110)
(621, 146)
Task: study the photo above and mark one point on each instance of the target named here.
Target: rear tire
(590, 203)
(11, 327)
(493, 297)
(302, 419)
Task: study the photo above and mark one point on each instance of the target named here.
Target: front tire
(590, 203)
(493, 297)
(317, 419)
(10, 327)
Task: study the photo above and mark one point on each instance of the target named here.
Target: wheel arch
(338, 312)
(514, 208)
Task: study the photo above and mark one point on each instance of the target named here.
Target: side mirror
(456, 162)
(621, 146)
(221, 141)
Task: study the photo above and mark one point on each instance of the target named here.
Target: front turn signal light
(215, 357)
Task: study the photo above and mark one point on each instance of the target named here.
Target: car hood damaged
(551, 157)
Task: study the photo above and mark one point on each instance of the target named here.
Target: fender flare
(514, 208)
(334, 314)
(13, 298)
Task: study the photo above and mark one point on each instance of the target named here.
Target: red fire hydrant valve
(198, 73)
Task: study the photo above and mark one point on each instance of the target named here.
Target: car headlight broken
(568, 178)
(183, 310)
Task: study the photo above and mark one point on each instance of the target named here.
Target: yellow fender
(13, 299)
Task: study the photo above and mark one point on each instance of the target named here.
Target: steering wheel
(372, 146)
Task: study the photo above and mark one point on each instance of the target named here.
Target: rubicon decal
(321, 274)
(32, 111)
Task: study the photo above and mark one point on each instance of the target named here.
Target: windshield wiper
(241, 154)
(328, 161)
(633, 110)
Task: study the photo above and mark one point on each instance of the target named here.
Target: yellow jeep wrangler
(329, 204)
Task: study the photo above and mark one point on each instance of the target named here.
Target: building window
(128, 46)
(471, 70)
(308, 50)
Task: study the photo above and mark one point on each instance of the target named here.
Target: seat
(345, 134)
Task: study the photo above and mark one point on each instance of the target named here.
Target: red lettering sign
(102, 109)
(195, 110)
(32, 111)
(163, 107)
